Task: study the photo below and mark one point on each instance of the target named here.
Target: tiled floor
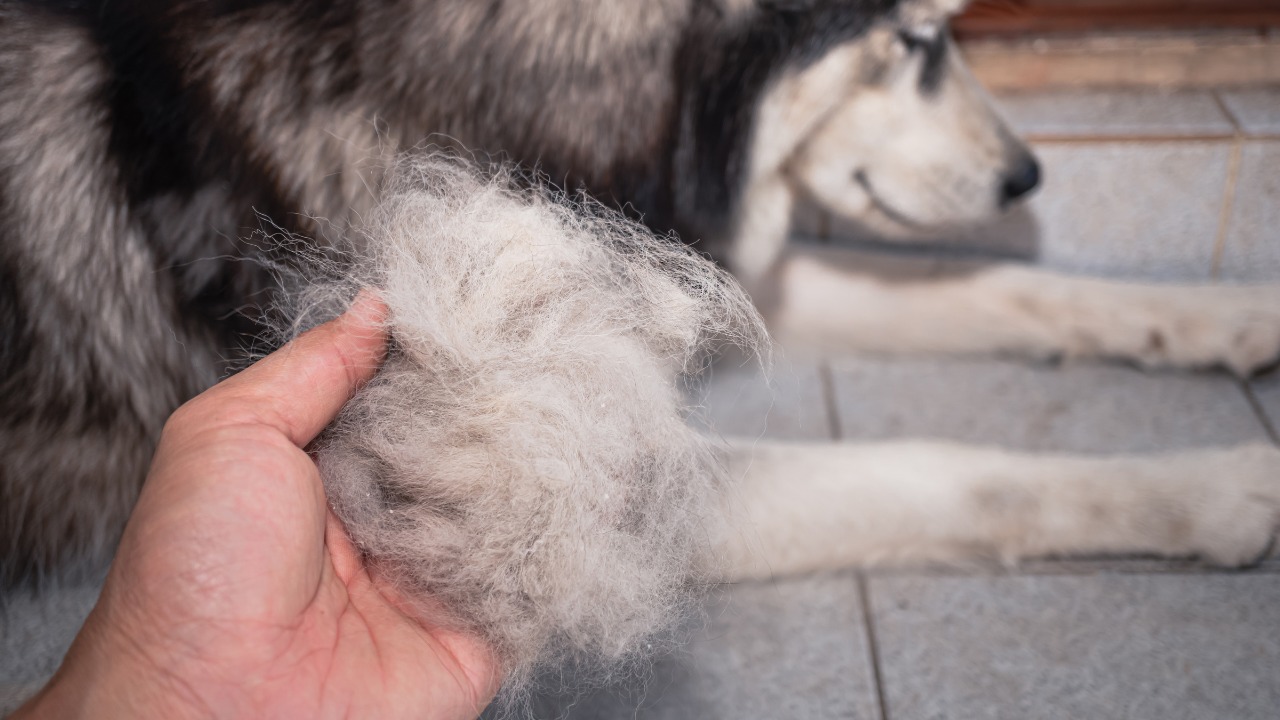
(1162, 187)
(1176, 186)
(1267, 393)
(1122, 638)
(1141, 185)
(1114, 114)
(1093, 646)
(35, 632)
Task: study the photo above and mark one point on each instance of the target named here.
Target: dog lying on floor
(140, 148)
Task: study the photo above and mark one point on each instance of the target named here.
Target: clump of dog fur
(522, 459)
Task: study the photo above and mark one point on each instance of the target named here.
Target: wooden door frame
(1022, 17)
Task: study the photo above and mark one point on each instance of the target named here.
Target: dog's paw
(1239, 511)
(1233, 327)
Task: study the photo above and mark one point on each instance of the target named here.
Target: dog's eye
(923, 36)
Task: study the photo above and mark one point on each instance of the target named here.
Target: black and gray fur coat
(142, 143)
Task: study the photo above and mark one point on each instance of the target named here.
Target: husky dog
(140, 144)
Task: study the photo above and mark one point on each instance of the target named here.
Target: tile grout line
(1226, 111)
(1229, 191)
(864, 597)
(828, 383)
(1242, 135)
(1228, 202)
(1153, 138)
(1151, 566)
(1069, 139)
(1252, 398)
(873, 644)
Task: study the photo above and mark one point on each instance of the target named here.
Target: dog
(141, 145)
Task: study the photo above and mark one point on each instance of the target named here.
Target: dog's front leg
(798, 508)
(818, 298)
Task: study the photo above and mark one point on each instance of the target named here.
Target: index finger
(300, 388)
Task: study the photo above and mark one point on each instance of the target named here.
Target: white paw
(1237, 513)
(1233, 327)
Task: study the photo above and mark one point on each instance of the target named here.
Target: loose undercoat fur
(522, 458)
(140, 146)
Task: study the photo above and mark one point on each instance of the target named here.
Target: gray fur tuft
(523, 456)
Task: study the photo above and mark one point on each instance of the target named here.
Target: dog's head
(912, 143)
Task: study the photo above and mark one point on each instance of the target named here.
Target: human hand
(237, 593)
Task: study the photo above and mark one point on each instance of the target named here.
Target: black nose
(1021, 180)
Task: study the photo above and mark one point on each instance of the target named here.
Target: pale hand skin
(237, 594)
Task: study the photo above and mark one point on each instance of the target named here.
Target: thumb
(300, 388)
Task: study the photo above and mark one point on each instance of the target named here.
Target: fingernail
(367, 309)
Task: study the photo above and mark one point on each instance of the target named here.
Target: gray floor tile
(1163, 647)
(1115, 113)
(35, 632)
(1147, 210)
(1112, 209)
(1267, 390)
(792, 649)
(740, 400)
(1091, 408)
(1256, 109)
(1252, 250)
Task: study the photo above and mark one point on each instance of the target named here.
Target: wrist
(99, 678)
